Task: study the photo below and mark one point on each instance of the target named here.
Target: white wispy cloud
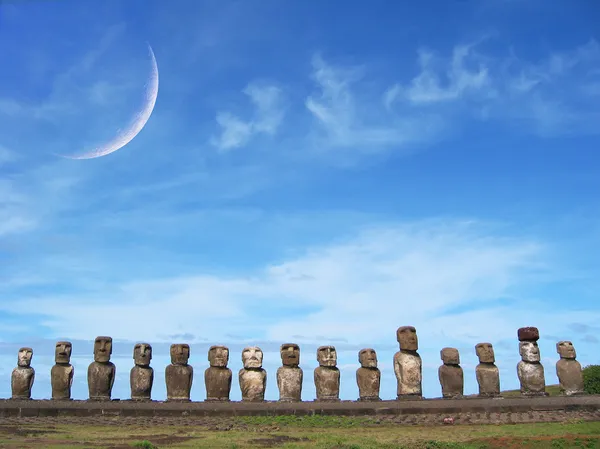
(267, 116)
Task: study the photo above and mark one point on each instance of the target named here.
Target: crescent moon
(137, 123)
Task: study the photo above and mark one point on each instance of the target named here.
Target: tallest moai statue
(529, 369)
(407, 364)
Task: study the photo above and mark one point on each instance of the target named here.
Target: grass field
(318, 432)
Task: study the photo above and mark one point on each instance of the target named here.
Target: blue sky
(311, 173)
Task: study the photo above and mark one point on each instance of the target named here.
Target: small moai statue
(529, 369)
(141, 376)
(368, 376)
(290, 375)
(487, 373)
(407, 364)
(327, 375)
(252, 377)
(23, 375)
(179, 375)
(101, 372)
(568, 370)
(61, 375)
(217, 377)
(451, 374)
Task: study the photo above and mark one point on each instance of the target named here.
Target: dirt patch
(24, 432)
(276, 440)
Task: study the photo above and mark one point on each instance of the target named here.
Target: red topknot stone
(528, 334)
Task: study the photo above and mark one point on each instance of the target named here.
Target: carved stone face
(290, 354)
(180, 353)
(62, 352)
(529, 351)
(218, 356)
(566, 350)
(450, 356)
(407, 337)
(24, 358)
(485, 352)
(327, 356)
(367, 358)
(142, 354)
(102, 349)
(252, 357)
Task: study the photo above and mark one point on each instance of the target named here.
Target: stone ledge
(56, 409)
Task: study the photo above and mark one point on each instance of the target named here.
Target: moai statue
(252, 377)
(23, 375)
(568, 370)
(141, 376)
(327, 375)
(488, 375)
(407, 364)
(529, 369)
(61, 375)
(368, 376)
(290, 375)
(217, 377)
(451, 374)
(101, 372)
(179, 375)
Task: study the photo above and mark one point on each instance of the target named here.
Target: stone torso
(141, 379)
(327, 383)
(218, 383)
(252, 384)
(61, 378)
(488, 378)
(21, 382)
(101, 377)
(179, 382)
(289, 382)
(409, 371)
(368, 380)
(570, 376)
(451, 380)
(531, 376)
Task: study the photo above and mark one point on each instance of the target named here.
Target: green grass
(320, 432)
(552, 390)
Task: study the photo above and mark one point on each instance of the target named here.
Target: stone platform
(427, 411)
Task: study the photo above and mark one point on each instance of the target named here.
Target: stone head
(102, 349)
(327, 356)
(62, 352)
(485, 352)
(142, 354)
(180, 353)
(529, 351)
(24, 357)
(290, 354)
(566, 350)
(367, 358)
(252, 357)
(450, 356)
(407, 337)
(218, 356)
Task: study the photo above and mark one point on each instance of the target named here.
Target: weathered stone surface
(141, 376)
(487, 373)
(252, 378)
(530, 370)
(217, 377)
(61, 374)
(368, 376)
(568, 370)
(290, 375)
(451, 374)
(528, 334)
(327, 375)
(23, 375)
(179, 375)
(101, 372)
(408, 365)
